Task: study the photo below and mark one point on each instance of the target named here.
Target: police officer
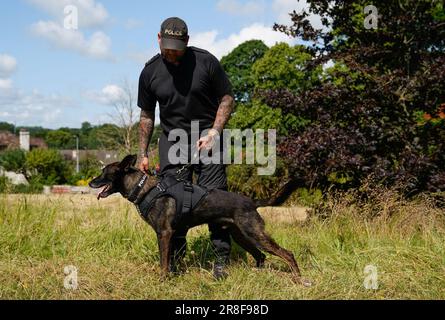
(189, 84)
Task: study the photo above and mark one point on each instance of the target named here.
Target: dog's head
(111, 178)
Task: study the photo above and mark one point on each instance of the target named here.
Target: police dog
(233, 211)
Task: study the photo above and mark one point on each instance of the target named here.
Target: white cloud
(5, 84)
(107, 96)
(90, 12)
(97, 46)
(284, 7)
(8, 64)
(32, 108)
(220, 47)
(234, 7)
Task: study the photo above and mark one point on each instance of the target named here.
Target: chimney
(24, 140)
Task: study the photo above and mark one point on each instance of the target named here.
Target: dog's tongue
(101, 193)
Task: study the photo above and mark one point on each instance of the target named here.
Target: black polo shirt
(189, 92)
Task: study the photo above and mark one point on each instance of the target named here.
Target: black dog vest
(186, 195)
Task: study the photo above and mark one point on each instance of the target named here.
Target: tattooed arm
(224, 111)
(146, 127)
(222, 117)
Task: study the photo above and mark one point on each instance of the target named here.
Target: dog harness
(186, 195)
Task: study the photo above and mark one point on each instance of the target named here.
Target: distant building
(10, 141)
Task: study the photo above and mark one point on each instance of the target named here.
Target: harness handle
(188, 165)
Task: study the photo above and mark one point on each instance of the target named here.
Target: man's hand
(208, 141)
(143, 166)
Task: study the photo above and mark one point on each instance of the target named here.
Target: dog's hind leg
(248, 245)
(256, 233)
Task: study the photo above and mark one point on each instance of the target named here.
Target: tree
(38, 132)
(60, 139)
(86, 128)
(5, 126)
(282, 67)
(258, 115)
(125, 119)
(238, 66)
(109, 137)
(366, 117)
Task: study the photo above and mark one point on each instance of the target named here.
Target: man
(190, 85)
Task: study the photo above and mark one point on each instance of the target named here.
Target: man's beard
(176, 62)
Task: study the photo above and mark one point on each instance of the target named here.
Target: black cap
(174, 34)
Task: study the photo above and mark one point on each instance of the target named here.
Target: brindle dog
(236, 212)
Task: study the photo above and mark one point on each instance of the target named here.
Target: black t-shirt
(189, 92)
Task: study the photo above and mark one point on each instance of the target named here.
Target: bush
(90, 168)
(245, 180)
(48, 167)
(7, 187)
(4, 183)
(13, 160)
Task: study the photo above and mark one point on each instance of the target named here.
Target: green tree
(258, 115)
(238, 66)
(37, 132)
(5, 126)
(86, 128)
(60, 139)
(365, 114)
(284, 66)
(109, 137)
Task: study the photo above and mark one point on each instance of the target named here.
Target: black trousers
(211, 176)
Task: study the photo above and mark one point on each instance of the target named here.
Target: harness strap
(186, 196)
(134, 194)
(188, 190)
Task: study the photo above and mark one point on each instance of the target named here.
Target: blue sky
(54, 77)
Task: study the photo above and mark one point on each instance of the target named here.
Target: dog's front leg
(164, 241)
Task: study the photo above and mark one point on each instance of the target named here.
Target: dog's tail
(279, 197)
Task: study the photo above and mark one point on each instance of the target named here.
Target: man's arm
(146, 127)
(222, 117)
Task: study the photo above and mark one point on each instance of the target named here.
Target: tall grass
(116, 253)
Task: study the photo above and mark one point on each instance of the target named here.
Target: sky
(54, 75)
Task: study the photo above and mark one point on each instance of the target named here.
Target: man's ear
(128, 161)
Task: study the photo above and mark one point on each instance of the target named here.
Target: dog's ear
(128, 161)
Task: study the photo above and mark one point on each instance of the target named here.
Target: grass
(116, 253)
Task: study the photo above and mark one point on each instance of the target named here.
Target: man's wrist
(213, 132)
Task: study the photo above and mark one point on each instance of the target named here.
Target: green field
(116, 254)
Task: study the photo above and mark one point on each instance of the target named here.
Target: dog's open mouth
(104, 193)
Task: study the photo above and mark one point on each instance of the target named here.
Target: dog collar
(134, 194)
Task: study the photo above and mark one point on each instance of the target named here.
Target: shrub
(13, 160)
(7, 187)
(245, 180)
(48, 166)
